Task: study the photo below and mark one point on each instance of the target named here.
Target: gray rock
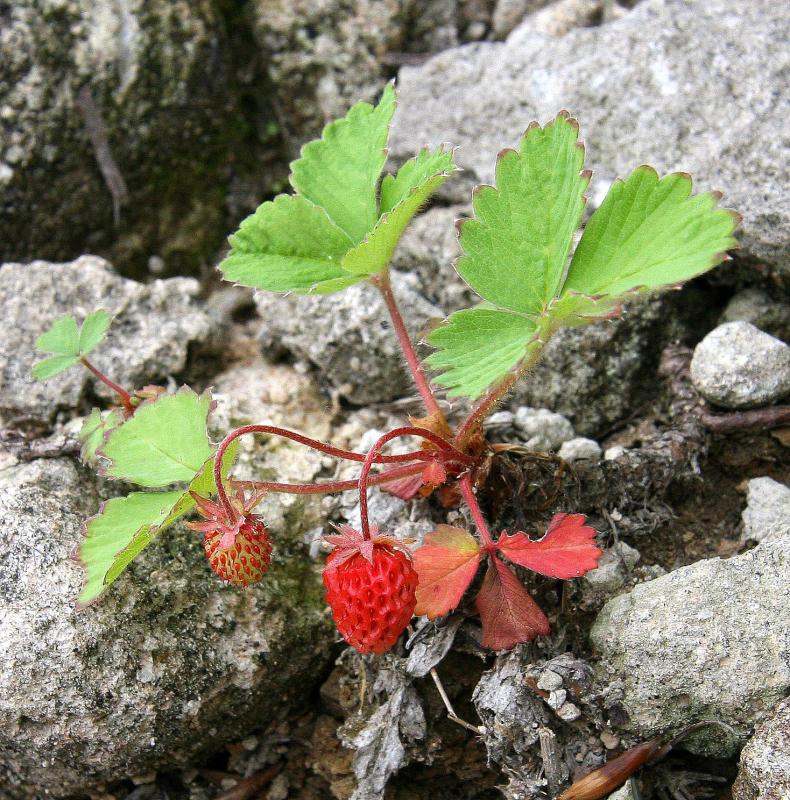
(348, 337)
(169, 665)
(738, 366)
(155, 325)
(707, 641)
(597, 374)
(762, 309)
(579, 449)
(764, 769)
(656, 87)
(767, 513)
(509, 13)
(427, 250)
(164, 98)
(542, 430)
(613, 568)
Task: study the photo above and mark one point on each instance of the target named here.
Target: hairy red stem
(468, 493)
(452, 454)
(126, 398)
(274, 430)
(333, 486)
(382, 283)
(484, 406)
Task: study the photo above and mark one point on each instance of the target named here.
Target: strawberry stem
(125, 397)
(334, 486)
(382, 283)
(450, 454)
(323, 447)
(468, 493)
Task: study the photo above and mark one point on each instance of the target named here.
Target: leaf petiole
(125, 397)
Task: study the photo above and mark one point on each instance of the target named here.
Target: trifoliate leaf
(401, 198)
(446, 564)
(477, 347)
(125, 526)
(93, 330)
(516, 247)
(68, 343)
(340, 171)
(568, 549)
(164, 442)
(646, 235)
(288, 244)
(507, 612)
(94, 429)
(119, 522)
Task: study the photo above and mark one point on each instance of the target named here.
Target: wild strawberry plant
(340, 227)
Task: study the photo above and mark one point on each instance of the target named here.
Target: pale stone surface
(681, 85)
(739, 366)
(707, 641)
(767, 513)
(764, 771)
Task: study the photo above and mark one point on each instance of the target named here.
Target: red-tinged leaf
(508, 613)
(446, 564)
(434, 474)
(568, 549)
(406, 488)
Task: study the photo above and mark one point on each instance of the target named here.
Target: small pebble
(739, 366)
(579, 449)
(569, 712)
(549, 680)
(609, 740)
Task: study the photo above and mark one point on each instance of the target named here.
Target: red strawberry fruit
(238, 548)
(370, 587)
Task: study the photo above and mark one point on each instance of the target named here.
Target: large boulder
(680, 85)
(707, 641)
(156, 326)
(118, 123)
(170, 664)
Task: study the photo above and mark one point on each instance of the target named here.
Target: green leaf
(94, 429)
(340, 171)
(479, 346)
(647, 234)
(123, 522)
(125, 526)
(288, 244)
(68, 343)
(52, 366)
(93, 330)
(401, 198)
(164, 442)
(62, 338)
(516, 247)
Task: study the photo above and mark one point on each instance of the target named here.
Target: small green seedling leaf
(340, 171)
(648, 233)
(477, 347)
(68, 343)
(125, 526)
(401, 198)
(516, 247)
(93, 330)
(164, 442)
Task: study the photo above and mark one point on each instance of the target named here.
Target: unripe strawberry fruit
(247, 559)
(236, 544)
(370, 587)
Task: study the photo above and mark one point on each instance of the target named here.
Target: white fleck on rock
(767, 513)
(739, 366)
(568, 712)
(613, 453)
(580, 448)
